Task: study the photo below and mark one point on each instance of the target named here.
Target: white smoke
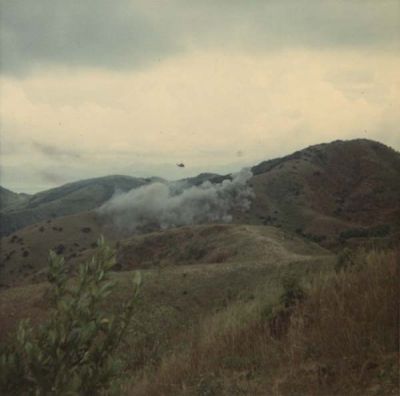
(161, 205)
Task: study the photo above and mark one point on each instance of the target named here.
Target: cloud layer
(95, 87)
(134, 34)
(201, 109)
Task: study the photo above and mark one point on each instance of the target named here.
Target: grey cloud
(267, 24)
(91, 33)
(126, 34)
(53, 178)
(55, 152)
(10, 147)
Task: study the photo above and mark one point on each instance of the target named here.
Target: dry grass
(221, 348)
(343, 340)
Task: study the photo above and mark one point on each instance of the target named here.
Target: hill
(330, 193)
(65, 200)
(333, 193)
(20, 210)
(23, 255)
(9, 199)
(187, 272)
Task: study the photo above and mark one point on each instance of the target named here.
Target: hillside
(9, 199)
(330, 193)
(334, 193)
(187, 271)
(23, 255)
(20, 210)
(65, 200)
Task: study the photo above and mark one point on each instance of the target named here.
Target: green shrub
(278, 317)
(72, 352)
(293, 292)
(378, 231)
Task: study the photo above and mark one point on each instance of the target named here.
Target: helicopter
(181, 165)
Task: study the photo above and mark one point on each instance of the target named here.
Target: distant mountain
(20, 210)
(9, 199)
(331, 192)
(68, 199)
(199, 179)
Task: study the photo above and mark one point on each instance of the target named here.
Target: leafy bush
(72, 352)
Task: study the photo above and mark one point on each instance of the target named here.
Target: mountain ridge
(326, 192)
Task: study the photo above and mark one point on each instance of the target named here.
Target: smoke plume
(161, 205)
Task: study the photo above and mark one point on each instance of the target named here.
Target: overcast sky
(97, 87)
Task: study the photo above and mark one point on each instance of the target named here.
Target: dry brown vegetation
(350, 187)
(341, 340)
(223, 329)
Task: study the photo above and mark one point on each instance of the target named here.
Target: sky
(97, 87)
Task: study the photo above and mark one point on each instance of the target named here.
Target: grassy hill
(68, 199)
(10, 199)
(23, 255)
(331, 192)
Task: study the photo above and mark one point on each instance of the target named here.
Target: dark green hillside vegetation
(69, 199)
(10, 199)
